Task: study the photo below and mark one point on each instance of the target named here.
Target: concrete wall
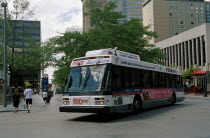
(188, 48)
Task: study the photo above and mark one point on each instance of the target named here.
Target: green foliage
(26, 54)
(130, 36)
(188, 73)
(32, 58)
(60, 76)
(109, 32)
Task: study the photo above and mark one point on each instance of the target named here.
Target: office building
(130, 8)
(25, 32)
(172, 17)
(188, 48)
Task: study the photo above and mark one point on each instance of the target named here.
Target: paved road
(189, 119)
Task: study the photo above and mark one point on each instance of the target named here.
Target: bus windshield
(88, 78)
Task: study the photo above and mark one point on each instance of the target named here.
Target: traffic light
(9, 69)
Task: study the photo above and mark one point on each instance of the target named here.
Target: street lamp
(4, 5)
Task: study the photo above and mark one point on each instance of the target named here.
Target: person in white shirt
(28, 98)
(44, 96)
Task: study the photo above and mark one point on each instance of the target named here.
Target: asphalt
(57, 100)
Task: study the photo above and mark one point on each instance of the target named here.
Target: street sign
(44, 75)
(1, 81)
(45, 84)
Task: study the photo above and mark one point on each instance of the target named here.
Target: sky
(55, 17)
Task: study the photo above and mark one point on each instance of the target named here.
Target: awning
(199, 72)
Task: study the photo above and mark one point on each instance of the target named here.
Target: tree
(188, 73)
(26, 53)
(68, 47)
(108, 32)
(60, 76)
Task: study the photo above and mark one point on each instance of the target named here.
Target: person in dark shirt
(16, 100)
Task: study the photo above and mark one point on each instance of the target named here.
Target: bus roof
(111, 51)
(120, 58)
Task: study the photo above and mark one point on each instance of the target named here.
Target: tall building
(25, 32)
(171, 17)
(130, 8)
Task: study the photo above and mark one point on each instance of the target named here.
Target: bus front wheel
(137, 105)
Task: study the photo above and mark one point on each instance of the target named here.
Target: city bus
(113, 81)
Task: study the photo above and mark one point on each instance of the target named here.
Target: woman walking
(16, 100)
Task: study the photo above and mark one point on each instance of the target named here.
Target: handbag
(24, 105)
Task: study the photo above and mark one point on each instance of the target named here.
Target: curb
(4, 111)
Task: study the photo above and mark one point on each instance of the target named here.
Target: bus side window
(137, 79)
(172, 81)
(126, 75)
(162, 82)
(116, 78)
(167, 78)
(140, 77)
(147, 79)
(178, 82)
(133, 78)
(155, 79)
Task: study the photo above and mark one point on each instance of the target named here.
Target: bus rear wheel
(137, 105)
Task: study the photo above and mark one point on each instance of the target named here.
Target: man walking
(28, 97)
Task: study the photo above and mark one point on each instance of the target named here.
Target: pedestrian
(28, 98)
(44, 96)
(16, 100)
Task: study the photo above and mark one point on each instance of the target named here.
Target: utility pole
(4, 5)
(205, 84)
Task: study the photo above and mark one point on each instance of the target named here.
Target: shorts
(28, 101)
(44, 98)
(16, 104)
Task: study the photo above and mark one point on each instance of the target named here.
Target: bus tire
(173, 99)
(137, 105)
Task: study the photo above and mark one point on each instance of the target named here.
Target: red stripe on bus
(126, 93)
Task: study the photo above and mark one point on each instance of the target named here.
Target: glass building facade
(184, 15)
(130, 8)
(171, 17)
(20, 33)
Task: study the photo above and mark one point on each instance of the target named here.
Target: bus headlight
(99, 102)
(66, 102)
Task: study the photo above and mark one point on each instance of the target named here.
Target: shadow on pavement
(119, 117)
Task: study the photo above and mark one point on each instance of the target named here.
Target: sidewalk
(197, 95)
(37, 105)
(10, 107)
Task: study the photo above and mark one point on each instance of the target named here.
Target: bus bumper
(83, 109)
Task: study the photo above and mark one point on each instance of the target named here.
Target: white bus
(110, 81)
